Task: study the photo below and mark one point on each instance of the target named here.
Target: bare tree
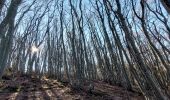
(6, 33)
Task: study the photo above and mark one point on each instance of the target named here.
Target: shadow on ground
(29, 88)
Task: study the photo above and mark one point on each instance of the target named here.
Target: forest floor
(26, 88)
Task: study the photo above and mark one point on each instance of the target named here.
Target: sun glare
(34, 49)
